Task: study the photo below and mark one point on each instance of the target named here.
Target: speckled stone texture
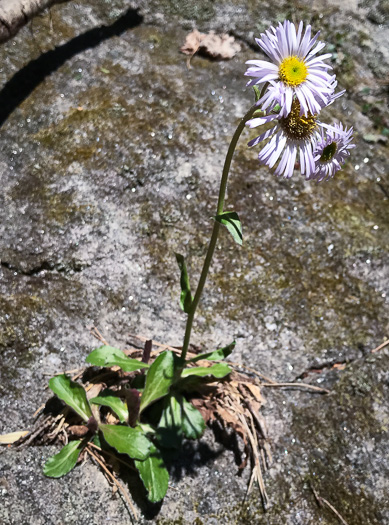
(110, 156)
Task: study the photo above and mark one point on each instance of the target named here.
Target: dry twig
(380, 347)
(321, 501)
(298, 385)
(115, 481)
(95, 332)
(251, 370)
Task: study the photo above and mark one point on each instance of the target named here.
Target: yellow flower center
(328, 152)
(296, 126)
(292, 71)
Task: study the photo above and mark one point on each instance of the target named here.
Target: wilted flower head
(295, 69)
(331, 151)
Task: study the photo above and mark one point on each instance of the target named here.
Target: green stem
(215, 231)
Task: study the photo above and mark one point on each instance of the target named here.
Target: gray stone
(110, 160)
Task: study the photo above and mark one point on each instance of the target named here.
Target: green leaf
(186, 296)
(114, 403)
(146, 428)
(110, 356)
(170, 424)
(230, 220)
(64, 461)
(72, 393)
(96, 440)
(193, 424)
(172, 414)
(219, 370)
(159, 379)
(127, 440)
(179, 417)
(154, 475)
(216, 355)
(257, 93)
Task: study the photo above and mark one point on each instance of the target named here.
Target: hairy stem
(216, 228)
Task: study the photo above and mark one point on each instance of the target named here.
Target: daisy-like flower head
(331, 151)
(293, 134)
(295, 69)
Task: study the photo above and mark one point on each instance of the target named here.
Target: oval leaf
(186, 296)
(179, 417)
(110, 356)
(172, 414)
(231, 221)
(72, 394)
(216, 355)
(114, 403)
(193, 424)
(219, 370)
(127, 440)
(154, 475)
(64, 461)
(170, 424)
(159, 379)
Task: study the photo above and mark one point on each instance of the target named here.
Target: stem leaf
(186, 296)
(231, 221)
(127, 440)
(170, 424)
(72, 394)
(114, 403)
(218, 370)
(154, 475)
(216, 355)
(64, 461)
(110, 356)
(159, 379)
(257, 93)
(193, 424)
(179, 417)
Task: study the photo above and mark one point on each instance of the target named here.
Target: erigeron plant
(147, 408)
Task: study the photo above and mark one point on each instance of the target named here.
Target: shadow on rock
(181, 462)
(23, 83)
(192, 455)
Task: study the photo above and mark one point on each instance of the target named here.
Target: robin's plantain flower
(331, 151)
(293, 135)
(295, 70)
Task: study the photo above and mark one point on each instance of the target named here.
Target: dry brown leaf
(255, 390)
(221, 47)
(93, 390)
(254, 406)
(237, 377)
(12, 437)
(192, 42)
(205, 410)
(78, 430)
(111, 419)
(227, 417)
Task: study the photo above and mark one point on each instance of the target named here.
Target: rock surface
(110, 159)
